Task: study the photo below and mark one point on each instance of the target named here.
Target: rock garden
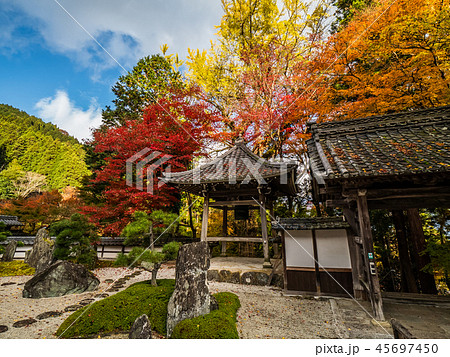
(66, 300)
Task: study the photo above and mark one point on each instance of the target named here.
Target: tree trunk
(156, 266)
(418, 245)
(408, 281)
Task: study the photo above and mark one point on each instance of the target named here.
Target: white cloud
(128, 30)
(60, 111)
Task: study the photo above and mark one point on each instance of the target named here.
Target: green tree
(149, 260)
(12, 173)
(144, 227)
(74, 240)
(151, 79)
(345, 10)
(38, 147)
(3, 235)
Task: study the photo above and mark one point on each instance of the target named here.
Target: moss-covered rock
(217, 324)
(118, 312)
(15, 268)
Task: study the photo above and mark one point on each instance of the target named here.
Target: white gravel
(13, 307)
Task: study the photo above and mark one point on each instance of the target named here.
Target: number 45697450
(407, 348)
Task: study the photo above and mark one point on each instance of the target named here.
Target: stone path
(267, 313)
(423, 321)
(357, 321)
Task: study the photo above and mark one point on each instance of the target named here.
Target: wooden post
(262, 210)
(283, 242)
(224, 230)
(356, 256)
(316, 261)
(357, 268)
(204, 233)
(371, 268)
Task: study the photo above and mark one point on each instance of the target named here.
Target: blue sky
(50, 67)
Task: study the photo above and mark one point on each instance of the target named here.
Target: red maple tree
(178, 127)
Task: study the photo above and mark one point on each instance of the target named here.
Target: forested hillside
(34, 151)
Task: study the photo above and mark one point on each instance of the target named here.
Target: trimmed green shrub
(118, 312)
(15, 268)
(217, 324)
(3, 235)
(121, 260)
(74, 240)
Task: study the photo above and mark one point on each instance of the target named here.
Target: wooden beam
(235, 239)
(205, 217)
(233, 203)
(371, 268)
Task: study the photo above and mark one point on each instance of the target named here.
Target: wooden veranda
(396, 162)
(238, 179)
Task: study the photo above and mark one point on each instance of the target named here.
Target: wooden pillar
(357, 265)
(356, 256)
(265, 238)
(224, 230)
(371, 268)
(204, 232)
(283, 241)
(316, 261)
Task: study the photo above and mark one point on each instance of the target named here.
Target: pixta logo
(140, 165)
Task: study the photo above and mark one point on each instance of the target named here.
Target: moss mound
(118, 312)
(217, 324)
(15, 268)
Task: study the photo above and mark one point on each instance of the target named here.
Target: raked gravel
(265, 312)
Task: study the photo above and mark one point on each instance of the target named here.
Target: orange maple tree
(394, 56)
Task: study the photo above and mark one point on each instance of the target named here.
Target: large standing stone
(61, 278)
(41, 256)
(141, 328)
(10, 251)
(191, 296)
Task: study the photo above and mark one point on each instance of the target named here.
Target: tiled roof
(29, 240)
(408, 143)
(236, 165)
(310, 223)
(10, 220)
